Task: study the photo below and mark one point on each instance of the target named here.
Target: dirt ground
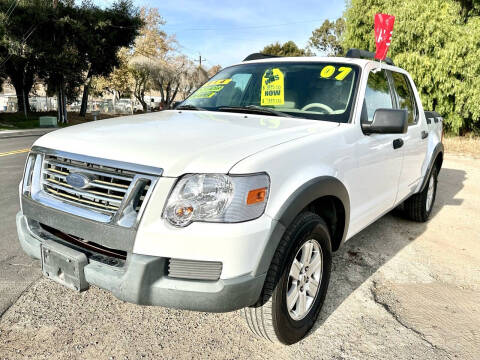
(399, 290)
(465, 145)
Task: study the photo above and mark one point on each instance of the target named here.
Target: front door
(379, 164)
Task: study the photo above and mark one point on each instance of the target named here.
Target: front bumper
(143, 280)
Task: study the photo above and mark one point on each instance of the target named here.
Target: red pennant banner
(383, 34)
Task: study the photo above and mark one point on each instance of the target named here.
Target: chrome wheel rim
(431, 187)
(304, 279)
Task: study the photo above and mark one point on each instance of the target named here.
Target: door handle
(424, 134)
(397, 143)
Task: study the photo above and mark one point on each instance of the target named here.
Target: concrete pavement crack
(395, 316)
(13, 301)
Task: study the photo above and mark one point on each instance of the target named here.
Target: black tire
(416, 207)
(270, 318)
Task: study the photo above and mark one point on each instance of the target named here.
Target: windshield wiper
(190, 107)
(253, 109)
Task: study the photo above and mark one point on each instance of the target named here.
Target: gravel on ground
(399, 290)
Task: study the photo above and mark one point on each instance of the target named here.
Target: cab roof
(354, 56)
(319, 59)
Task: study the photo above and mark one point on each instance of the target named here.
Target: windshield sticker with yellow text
(272, 88)
(210, 89)
(340, 73)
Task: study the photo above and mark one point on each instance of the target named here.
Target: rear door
(416, 138)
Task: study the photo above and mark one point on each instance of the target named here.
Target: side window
(377, 95)
(406, 99)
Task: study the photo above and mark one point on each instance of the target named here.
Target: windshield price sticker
(218, 82)
(329, 70)
(210, 89)
(272, 88)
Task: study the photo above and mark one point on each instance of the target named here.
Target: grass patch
(14, 121)
(17, 121)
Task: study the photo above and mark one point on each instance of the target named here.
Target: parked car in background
(239, 197)
(124, 106)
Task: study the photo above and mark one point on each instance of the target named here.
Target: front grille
(107, 189)
(196, 270)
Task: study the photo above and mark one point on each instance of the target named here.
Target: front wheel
(296, 282)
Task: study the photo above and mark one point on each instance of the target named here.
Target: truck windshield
(319, 91)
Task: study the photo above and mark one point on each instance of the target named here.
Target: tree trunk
(139, 92)
(22, 79)
(173, 96)
(59, 106)
(23, 104)
(64, 102)
(141, 98)
(86, 91)
(144, 105)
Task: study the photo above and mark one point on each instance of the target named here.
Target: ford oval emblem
(78, 181)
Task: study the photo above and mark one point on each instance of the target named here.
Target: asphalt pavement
(17, 270)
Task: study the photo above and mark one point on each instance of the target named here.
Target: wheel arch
(326, 196)
(436, 160)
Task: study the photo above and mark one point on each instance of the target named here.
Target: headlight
(28, 174)
(217, 198)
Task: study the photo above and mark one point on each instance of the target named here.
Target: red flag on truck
(383, 34)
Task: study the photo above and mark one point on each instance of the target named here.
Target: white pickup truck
(237, 198)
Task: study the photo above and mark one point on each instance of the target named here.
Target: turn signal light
(256, 196)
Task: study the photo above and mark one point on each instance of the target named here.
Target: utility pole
(200, 59)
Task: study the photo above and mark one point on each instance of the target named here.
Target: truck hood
(181, 142)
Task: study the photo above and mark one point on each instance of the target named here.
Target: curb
(4, 134)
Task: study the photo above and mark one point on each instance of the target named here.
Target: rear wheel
(418, 207)
(296, 283)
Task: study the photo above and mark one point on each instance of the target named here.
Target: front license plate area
(64, 265)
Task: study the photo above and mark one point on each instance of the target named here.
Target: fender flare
(437, 151)
(307, 193)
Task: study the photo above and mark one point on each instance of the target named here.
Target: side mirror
(387, 121)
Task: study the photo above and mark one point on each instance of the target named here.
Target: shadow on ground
(360, 257)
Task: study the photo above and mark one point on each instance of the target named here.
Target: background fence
(8, 103)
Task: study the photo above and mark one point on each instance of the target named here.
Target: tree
(192, 79)
(104, 32)
(213, 70)
(436, 44)
(141, 68)
(19, 37)
(287, 49)
(62, 63)
(152, 42)
(61, 43)
(176, 75)
(167, 77)
(136, 63)
(328, 37)
(120, 82)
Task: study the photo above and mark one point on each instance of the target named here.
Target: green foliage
(436, 44)
(328, 37)
(104, 32)
(61, 42)
(287, 49)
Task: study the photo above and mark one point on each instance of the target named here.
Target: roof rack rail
(258, 56)
(364, 54)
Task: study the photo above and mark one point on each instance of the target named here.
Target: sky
(225, 32)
